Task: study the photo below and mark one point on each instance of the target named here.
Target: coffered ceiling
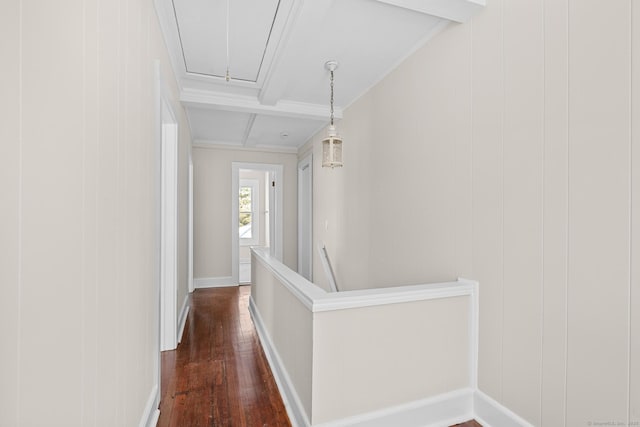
(278, 93)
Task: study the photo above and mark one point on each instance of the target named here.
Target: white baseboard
(213, 282)
(490, 413)
(151, 412)
(297, 414)
(184, 312)
(442, 410)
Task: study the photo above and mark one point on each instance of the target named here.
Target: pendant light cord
(227, 77)
(331, 97)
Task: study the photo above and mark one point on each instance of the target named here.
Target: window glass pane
(244, 226)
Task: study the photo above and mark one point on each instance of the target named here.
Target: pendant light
(332, 144)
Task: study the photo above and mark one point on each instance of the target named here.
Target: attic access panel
(202, 30)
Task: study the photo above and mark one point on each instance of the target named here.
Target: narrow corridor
(219, 375)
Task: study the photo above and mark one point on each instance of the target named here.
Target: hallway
(219, 375)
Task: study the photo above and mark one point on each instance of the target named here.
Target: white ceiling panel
(218, 126)
(202, 28)
(367, 38)
(270, 131)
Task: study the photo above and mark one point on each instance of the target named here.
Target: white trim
(200, 98)
(214, 282)
(169, 225)
(454, 10)
(151, 413)
(474, 331)
(490, 413)
(157, 358)
(234, 146)
(317, 300)
(442, 410)
(170, 36)
(292, 403)
(184, 312)
(190, 227)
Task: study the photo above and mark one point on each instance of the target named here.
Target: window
(248, 217)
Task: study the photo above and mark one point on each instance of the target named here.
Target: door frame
(276, 236)
(190, 226)
(169, 228)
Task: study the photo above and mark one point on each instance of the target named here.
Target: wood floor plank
(218, 375)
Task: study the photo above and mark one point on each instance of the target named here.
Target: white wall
(372, 358)
(505, 151)
(78, 252)
(212, 207)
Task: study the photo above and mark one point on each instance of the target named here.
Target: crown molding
(249, 104)
(221, 145)
(166, 20)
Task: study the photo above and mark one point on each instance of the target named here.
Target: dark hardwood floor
(471, 423)
(219, 375)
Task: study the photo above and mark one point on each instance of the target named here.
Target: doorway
(257, 214)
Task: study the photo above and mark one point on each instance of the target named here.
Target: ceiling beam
(222, 145)
(251, 105)
(300, 29)
(247, 131)
(453, 10)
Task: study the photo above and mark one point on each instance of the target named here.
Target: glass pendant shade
(332, 151)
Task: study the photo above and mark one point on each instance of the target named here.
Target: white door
(274, 212)
(251, 218)
(305, 209)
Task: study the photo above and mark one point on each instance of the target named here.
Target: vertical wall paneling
(598, 260)
(358, 209)
(89, 251)
(552, 92)
(554, 314)
(121, 188)
(51, 210)
(523, 166)
(10, 113)
(463, 152)
(634, 355)
(107, 223)
(487, 105)
(79, 313)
